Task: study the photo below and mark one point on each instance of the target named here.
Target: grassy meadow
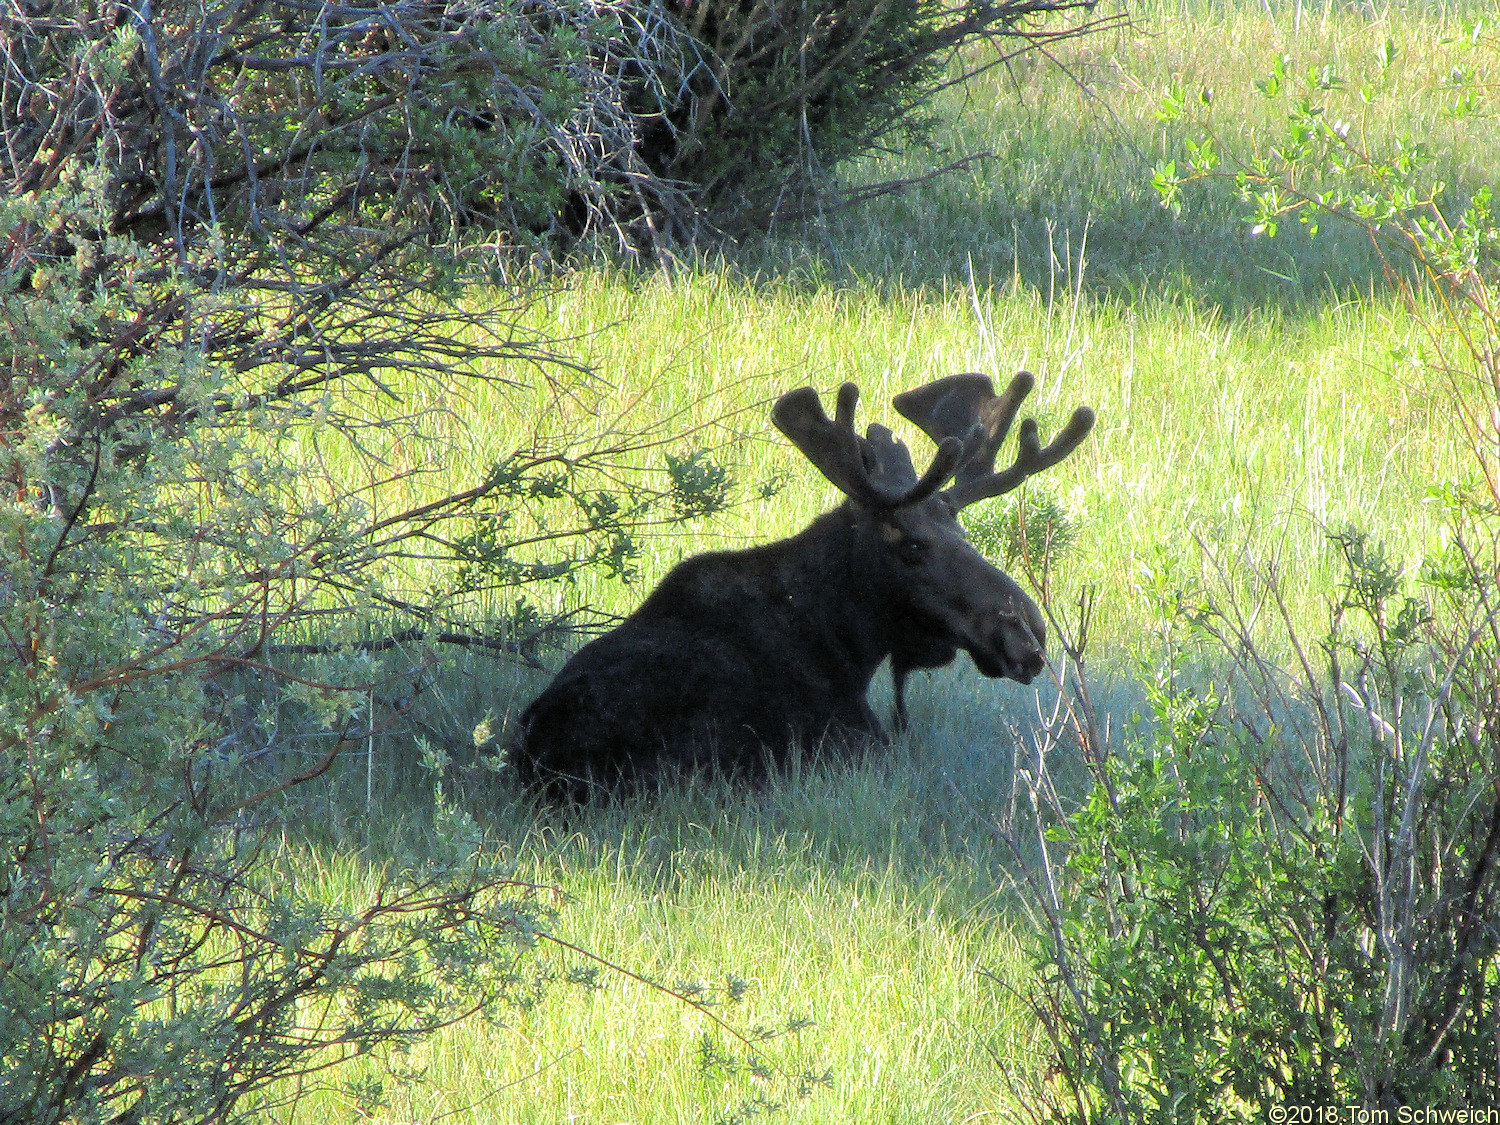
(1252, 394)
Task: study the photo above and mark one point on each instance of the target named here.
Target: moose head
(738, 654)
(951, 596)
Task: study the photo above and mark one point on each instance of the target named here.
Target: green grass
(1276, 424)
(1241, 382)
(882, 962)
(862, 897)
(1074, 145)
(1251, 394)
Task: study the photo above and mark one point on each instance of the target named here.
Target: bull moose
(736, 655)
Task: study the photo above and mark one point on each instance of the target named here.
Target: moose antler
(840, 453)
(888, 460)
(967, 407)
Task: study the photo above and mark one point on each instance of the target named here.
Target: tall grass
(1277, 423)
(1074, 137)
(863, 897)
(1250, 392)
(1241, 382)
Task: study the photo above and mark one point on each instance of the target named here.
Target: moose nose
(1024, 655)
(1031, 666)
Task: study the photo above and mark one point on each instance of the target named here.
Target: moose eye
(911, 551)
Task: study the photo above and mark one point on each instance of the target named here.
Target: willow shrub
(768, 98)
(235, 235)
(1282, 886)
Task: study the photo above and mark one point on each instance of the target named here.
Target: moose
(737, 655)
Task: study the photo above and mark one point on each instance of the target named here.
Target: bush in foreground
(1284, 889)
(234, 234)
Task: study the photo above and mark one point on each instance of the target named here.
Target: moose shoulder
(737, 654)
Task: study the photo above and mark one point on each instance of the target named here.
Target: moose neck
(842, 599)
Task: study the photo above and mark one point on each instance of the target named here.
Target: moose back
(736, 655)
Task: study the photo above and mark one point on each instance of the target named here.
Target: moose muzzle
(1012, 643)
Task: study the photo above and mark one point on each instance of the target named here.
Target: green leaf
(1173, 102)
(1167, 186)
(1204, 157)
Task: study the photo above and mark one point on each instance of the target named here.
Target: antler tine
(831, 445)
(949, 455)
(844, 404)
(837, 450)
(1030, 458)
(998, 417)
(966, 406)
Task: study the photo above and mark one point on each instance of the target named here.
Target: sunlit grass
(858, 900)
(1278, 423)
(1074, 137)
(1241, 382)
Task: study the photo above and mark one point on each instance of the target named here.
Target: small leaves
(700, 485)
(1032, 529)
(1173, 100)
(1271, 85)
(1320, 166)
(1203, 156)
(1325, 77)
(1268, 207)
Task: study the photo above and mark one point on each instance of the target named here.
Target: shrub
(1284, 888)
(234, 234)
(774, 94)
(158, 964)
(1032, 530)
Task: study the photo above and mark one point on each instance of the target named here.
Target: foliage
(774, 94)
(234, 237)
(157, 965)
(1322, 167)
(1031, 530)
(1285, 887)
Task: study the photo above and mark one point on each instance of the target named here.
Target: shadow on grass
(1004, 226)
(927, 812)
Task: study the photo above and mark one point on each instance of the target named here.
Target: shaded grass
(861, 896)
